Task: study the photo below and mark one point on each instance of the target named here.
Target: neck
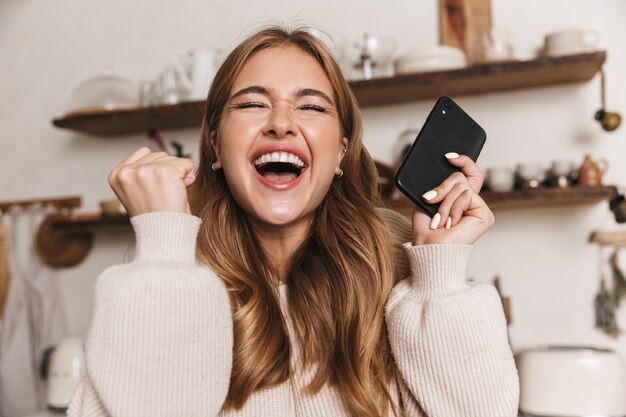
(280, 243)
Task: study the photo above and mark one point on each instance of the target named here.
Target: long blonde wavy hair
(339, 278)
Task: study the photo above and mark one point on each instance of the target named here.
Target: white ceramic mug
(563, 167)
(571, 41)
(500, 178)
(531, 171)
(497, 46)
(203, 68)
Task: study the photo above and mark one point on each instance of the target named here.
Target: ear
(343, 148)
(215, 143)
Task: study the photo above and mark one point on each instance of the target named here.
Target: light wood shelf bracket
(608, 237)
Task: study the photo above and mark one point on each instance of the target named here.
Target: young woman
(270, 284)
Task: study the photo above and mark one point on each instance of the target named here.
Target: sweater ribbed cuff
(166, 236)
(438, 269)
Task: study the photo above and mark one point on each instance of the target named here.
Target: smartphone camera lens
(448, 104)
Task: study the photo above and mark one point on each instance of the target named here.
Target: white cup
(500, 178)
(571, 41)
(563, 167)
(203, 68)
(497, 46)
(531, 171)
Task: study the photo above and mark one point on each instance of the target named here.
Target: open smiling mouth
(279, 167)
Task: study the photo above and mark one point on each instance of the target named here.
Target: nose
(281, 122)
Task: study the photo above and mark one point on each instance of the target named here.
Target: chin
(281, 216)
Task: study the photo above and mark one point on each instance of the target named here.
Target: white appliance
(572, 381)
(67, 366)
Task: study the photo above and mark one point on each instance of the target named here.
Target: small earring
(340, 174)
(213, 167)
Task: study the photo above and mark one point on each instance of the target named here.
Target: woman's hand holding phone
(149, 181)
(463, 215)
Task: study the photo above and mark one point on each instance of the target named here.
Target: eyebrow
(313, 92)
(257, 89)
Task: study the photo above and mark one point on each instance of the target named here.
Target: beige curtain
(33, 316)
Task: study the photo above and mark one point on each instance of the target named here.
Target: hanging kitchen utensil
(617, 204)
(604, 303)
(608, 120)
(605, 311)
(619, 280)
(155, 137)
(179, 149)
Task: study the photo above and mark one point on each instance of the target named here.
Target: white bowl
(105, 91)
(571, 41)
(435, 58)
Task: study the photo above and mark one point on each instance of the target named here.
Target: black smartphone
(447, 129)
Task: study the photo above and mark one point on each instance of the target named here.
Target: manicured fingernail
(434, 223)
(448, 222)
(429, 195)
(452, 155)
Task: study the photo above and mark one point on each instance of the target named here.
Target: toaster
(571, 381)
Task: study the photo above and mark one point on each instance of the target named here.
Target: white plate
(437, 58)
(571, 51)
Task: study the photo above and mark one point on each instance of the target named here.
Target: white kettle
(66, 368)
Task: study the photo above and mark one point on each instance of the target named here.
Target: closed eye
(250, 104)
(313, 107)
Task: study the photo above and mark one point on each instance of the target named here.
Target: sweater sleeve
(449, 339)
(160, 337)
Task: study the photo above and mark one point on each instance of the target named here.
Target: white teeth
(279, 157)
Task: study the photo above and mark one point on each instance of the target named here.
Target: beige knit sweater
(160, 338)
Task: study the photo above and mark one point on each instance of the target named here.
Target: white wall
(541, 254)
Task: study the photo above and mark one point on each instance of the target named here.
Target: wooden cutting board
(4, 268)
(463, 24)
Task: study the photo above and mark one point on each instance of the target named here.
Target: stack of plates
(436, 58)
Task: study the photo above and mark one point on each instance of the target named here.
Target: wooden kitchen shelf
(67, 239)
(60, 203)
(479, 79)
(381, 91)
(496, 200)
(539, 197)
(120, 122)
(88, 222)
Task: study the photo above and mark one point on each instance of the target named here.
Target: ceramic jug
(203, 68)
(591, 172)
